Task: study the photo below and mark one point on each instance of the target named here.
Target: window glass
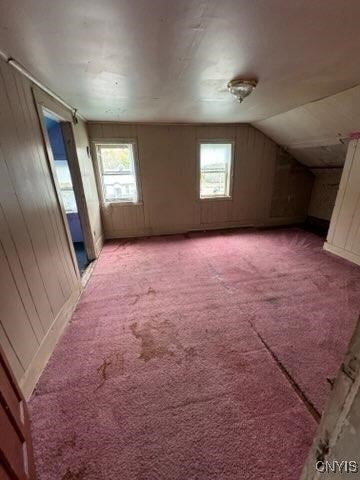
(215, 168)
(119, 187)
(117, 159)
(117, 168)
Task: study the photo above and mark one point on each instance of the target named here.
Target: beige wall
(323, 196)
(344, 232)
(291, 188)
(168, 156)
(39, 284)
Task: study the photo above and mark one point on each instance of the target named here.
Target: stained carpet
(196, 357)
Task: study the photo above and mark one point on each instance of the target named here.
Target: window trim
(95, 143)
(215, 198)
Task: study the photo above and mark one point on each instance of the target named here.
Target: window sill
(119, 203)
(214, 199)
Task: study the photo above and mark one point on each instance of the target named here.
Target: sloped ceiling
(332, 156)
(170, 60)
(317, 133)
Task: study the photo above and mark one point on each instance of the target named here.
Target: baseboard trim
(340, 252)
(98, 245)
(246, 223)
(283, 221)
(317, 225)
(33, 372)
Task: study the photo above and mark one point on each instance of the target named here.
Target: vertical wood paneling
(216, 213)
(350, 204)
(292, 186)
(19, 277)
(51, 204)
(37, 276)
(18, 327)
(168, 163)
(16, 228)
(125, 219)
(353, 242)
(265, 184)
(167, 177)
(323, 195)
(23, 171)
(344, 232)
(245, 175)
(13, 360)
(63, 269)
(352, 147)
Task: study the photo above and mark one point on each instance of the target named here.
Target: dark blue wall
(56, 138)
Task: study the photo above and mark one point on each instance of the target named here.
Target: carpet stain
(352, 284)
(136, 299)
(150, 291)
(159, 340)
(78, 474)
(272, 299)
(126, 243)
(69, 443)
(155, 341)
(111, 366)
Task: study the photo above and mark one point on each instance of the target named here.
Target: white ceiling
(170, 60)
(316, 133)
(318, 123)
(331, 156)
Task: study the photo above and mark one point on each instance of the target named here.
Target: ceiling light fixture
(241, 88)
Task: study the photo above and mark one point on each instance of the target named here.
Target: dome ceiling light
(241, 88)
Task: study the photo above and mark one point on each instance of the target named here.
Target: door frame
(74, 167)
(46, 105)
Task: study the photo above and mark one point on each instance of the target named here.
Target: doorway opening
(65, 185)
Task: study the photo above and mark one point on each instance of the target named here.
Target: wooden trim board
(33, 372)
(341, 252)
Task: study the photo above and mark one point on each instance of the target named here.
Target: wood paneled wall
(344, 232)
(168, 156)
(324, 193)
(38, 282)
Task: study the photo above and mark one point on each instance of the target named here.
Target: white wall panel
(344, 232)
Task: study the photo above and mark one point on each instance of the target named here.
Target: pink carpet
(196, 357)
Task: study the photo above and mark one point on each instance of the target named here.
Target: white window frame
(231, 171)
(99, 171)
